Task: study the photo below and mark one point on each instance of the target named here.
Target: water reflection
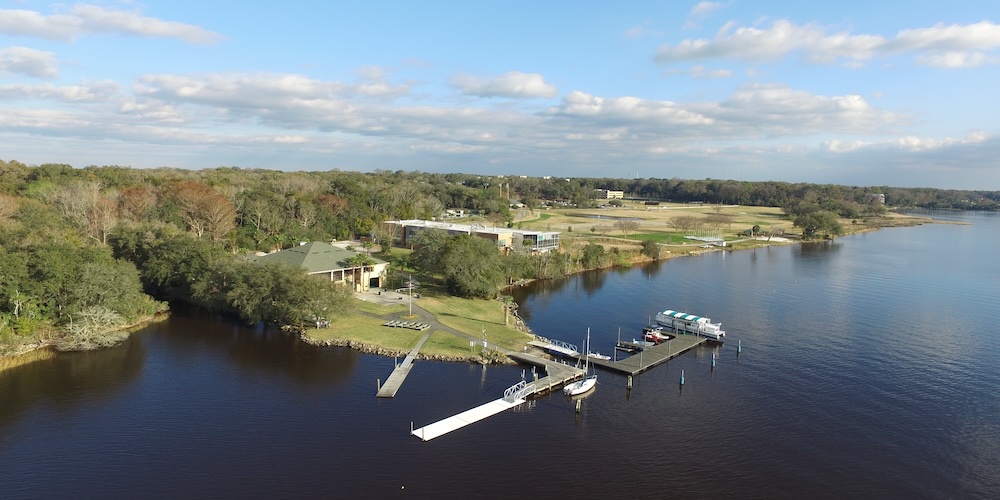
(593, 281)
(94, 376)
(257, 348)
(817, 249)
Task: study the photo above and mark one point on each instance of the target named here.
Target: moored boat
(682, 322)
(588, 382)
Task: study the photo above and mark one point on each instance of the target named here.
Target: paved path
(398, 375)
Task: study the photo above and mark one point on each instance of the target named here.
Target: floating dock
(648, 357)
(512, 397)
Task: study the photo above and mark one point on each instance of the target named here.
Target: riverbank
(464, 323)
(42, 349)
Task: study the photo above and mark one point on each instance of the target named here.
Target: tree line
(84, 251)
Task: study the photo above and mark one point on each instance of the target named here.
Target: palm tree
(360, 263)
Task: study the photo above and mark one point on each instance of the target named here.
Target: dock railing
(517, 391)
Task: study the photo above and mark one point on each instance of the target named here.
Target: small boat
(597, 355)
(588, 382)
(655, 334)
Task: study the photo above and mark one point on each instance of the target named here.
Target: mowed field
(667, 224)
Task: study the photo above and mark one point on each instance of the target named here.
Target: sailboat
(588, 382)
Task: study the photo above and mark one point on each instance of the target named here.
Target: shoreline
(29, 353)
(900, 220)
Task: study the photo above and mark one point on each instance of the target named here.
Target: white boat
(682, 322)
(588, 382)
(597, 355)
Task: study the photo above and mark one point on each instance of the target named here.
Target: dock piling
(713, 360)
(629, 381)
(739, 346)
(579, 402)
(378, 384)
(682, 377)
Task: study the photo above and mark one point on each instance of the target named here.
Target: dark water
(869, 369)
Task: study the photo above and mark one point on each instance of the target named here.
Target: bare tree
(686, 222)
(134, 202)
(101, 219)
(626, 226)
(716, 221)
(94, 213)
(203, 209)
(8, 207)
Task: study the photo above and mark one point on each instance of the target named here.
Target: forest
(86, 252)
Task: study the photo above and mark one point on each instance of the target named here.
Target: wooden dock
(398, 375)
(556, 374)
(649, 357)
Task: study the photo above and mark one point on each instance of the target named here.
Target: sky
(896, 93)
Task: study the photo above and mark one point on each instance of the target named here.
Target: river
(868, 368)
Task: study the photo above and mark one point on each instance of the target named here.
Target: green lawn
(466, 315)
(472, 316)
(664, 238)
(369, 330)
(446, 344)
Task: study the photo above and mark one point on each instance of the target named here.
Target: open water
(868, 369)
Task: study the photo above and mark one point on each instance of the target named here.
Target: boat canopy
(685, 316)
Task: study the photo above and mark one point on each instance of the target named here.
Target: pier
(512, 397)
(648, 357)
(556, 374)
(398, 375)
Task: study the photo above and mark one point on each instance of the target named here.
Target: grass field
(656, 224)
(470, 316)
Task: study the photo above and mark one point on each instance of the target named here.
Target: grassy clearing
(369, 330)
(446, 344)
(466, 315)
(664, 238)
(472, 316)
(656, 224)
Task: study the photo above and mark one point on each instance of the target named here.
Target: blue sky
(857, 93)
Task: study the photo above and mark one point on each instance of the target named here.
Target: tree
(686, 222)
(135, 202)
(592, 256)
(471, 267)
(816, 222)
(650, 249)
(203, 210)
(626, 226)
(8, 207)
(360, 264)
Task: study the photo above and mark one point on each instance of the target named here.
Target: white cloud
(911, 144)
(626, 110)
(635, 32)
(28, 62)
(275, 118)
(945, 46)
(699, 72)
(83, 19)
(87, 92)
(953, 59)
(703, 9)
(510, 84)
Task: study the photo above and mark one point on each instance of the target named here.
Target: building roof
(314, 257)
(466, 228)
